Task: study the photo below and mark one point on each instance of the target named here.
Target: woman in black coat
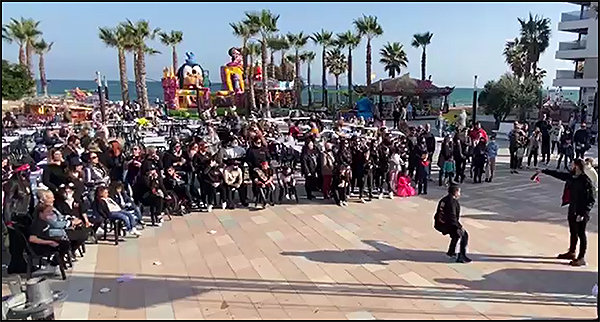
(579, 194)
(310, 165)
(115, 162)
(55, 172)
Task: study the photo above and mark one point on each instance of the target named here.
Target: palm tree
(368, 27)
(254, 51)
(297, 42)
(120, 39)
(172, 39)
(515, 56)
(308, 57)
(350, 41)
(25, 33)
(244, 32)
(535, 38)
(276, 44)
(336, 64)
(422, 41)
(393, 58)
(323, 38)
(265, 24)
(140, 32)
(41, 48)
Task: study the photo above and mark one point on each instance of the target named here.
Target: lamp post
(102, 105)
(105, 88)
(474, 99)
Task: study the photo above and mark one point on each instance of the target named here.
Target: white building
(583, 52)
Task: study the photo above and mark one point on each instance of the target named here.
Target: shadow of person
(384, 253)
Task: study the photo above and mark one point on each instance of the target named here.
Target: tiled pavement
(380, 260)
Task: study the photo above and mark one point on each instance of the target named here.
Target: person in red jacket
(477, 132)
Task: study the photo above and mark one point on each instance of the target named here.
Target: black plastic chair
(32, 256)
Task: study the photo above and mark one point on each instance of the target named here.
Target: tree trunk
(324, 76)
(123, 76)
(423, 64)
(272, 65)
(29, 58)
(337, 90)
(350, 96)
(245, 70)
(283, 65)
(309, 85)
(265, 93)
(143, 88)
(43, 80)
(136, 72)
(252, 105)
(174, 53)
(22, 57)
(368, 60)
(298, 80)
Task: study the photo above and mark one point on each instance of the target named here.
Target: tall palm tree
(41, 48)
(393, 58)
(276, 44)
(140, 32)
(254, 51)
(119, 38)
(336, 64)
(172, 39)
(350, 41)
(265, 24)
(25, 33)
(297, 42)
(308, 57)
(13, 32)
(515, 56)
(323, 38)
(368, 27)
(243, 32)
(535, 38)
(422, 41)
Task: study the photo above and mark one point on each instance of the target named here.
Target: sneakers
(578, 262)
(363, 200)
(344, 203)
(287, 197)
(570, 256)
(463, 259)
(223, 205)
(135, 232)
(391, 195)
(380, 196)
(209, 208)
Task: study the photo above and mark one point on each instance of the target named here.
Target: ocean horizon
(459, 97)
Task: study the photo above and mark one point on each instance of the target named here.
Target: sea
(459, 97)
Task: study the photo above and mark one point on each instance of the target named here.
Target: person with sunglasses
(95, 174)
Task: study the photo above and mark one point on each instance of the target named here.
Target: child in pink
(404, 189)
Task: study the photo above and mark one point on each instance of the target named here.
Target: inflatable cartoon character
(191, 77)
(236, 57)
(231, 73)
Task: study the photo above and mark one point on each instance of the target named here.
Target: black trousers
(156, 205)
(533, 154)
(555, 145)
(577, 233)
(567, 160)
(545, 151)
(311, 184)
(514, 160)
(460, 170)
(463, 236)
(422, 185)
(366, 182)
(338, 194)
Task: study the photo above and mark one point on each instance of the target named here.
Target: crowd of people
(90, 180)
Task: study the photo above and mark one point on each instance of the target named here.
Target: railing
(572, 45)
(577, 15)
(568, 74)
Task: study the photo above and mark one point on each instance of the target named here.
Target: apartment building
(583, 52)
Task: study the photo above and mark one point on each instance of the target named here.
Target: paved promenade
(380, 260)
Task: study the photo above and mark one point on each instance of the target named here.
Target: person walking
(447, 221)
(580, 194)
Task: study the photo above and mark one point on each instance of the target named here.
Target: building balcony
(568, 74)
(577, 21)
(574, 50)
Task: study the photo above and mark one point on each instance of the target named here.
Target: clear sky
(468, 37)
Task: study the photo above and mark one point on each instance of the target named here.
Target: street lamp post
(474, 100)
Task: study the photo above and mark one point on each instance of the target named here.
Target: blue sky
(468, 37)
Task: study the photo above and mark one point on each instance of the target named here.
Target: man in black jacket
(579, 194)
(581, 139)
(447, 222)
(430, 143)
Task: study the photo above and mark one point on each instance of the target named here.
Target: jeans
(464, 241)
(490, 168)
(126, 217)
(577, 233)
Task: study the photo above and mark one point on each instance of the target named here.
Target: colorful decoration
(189, 89)
(232, 73)
(170, 86)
